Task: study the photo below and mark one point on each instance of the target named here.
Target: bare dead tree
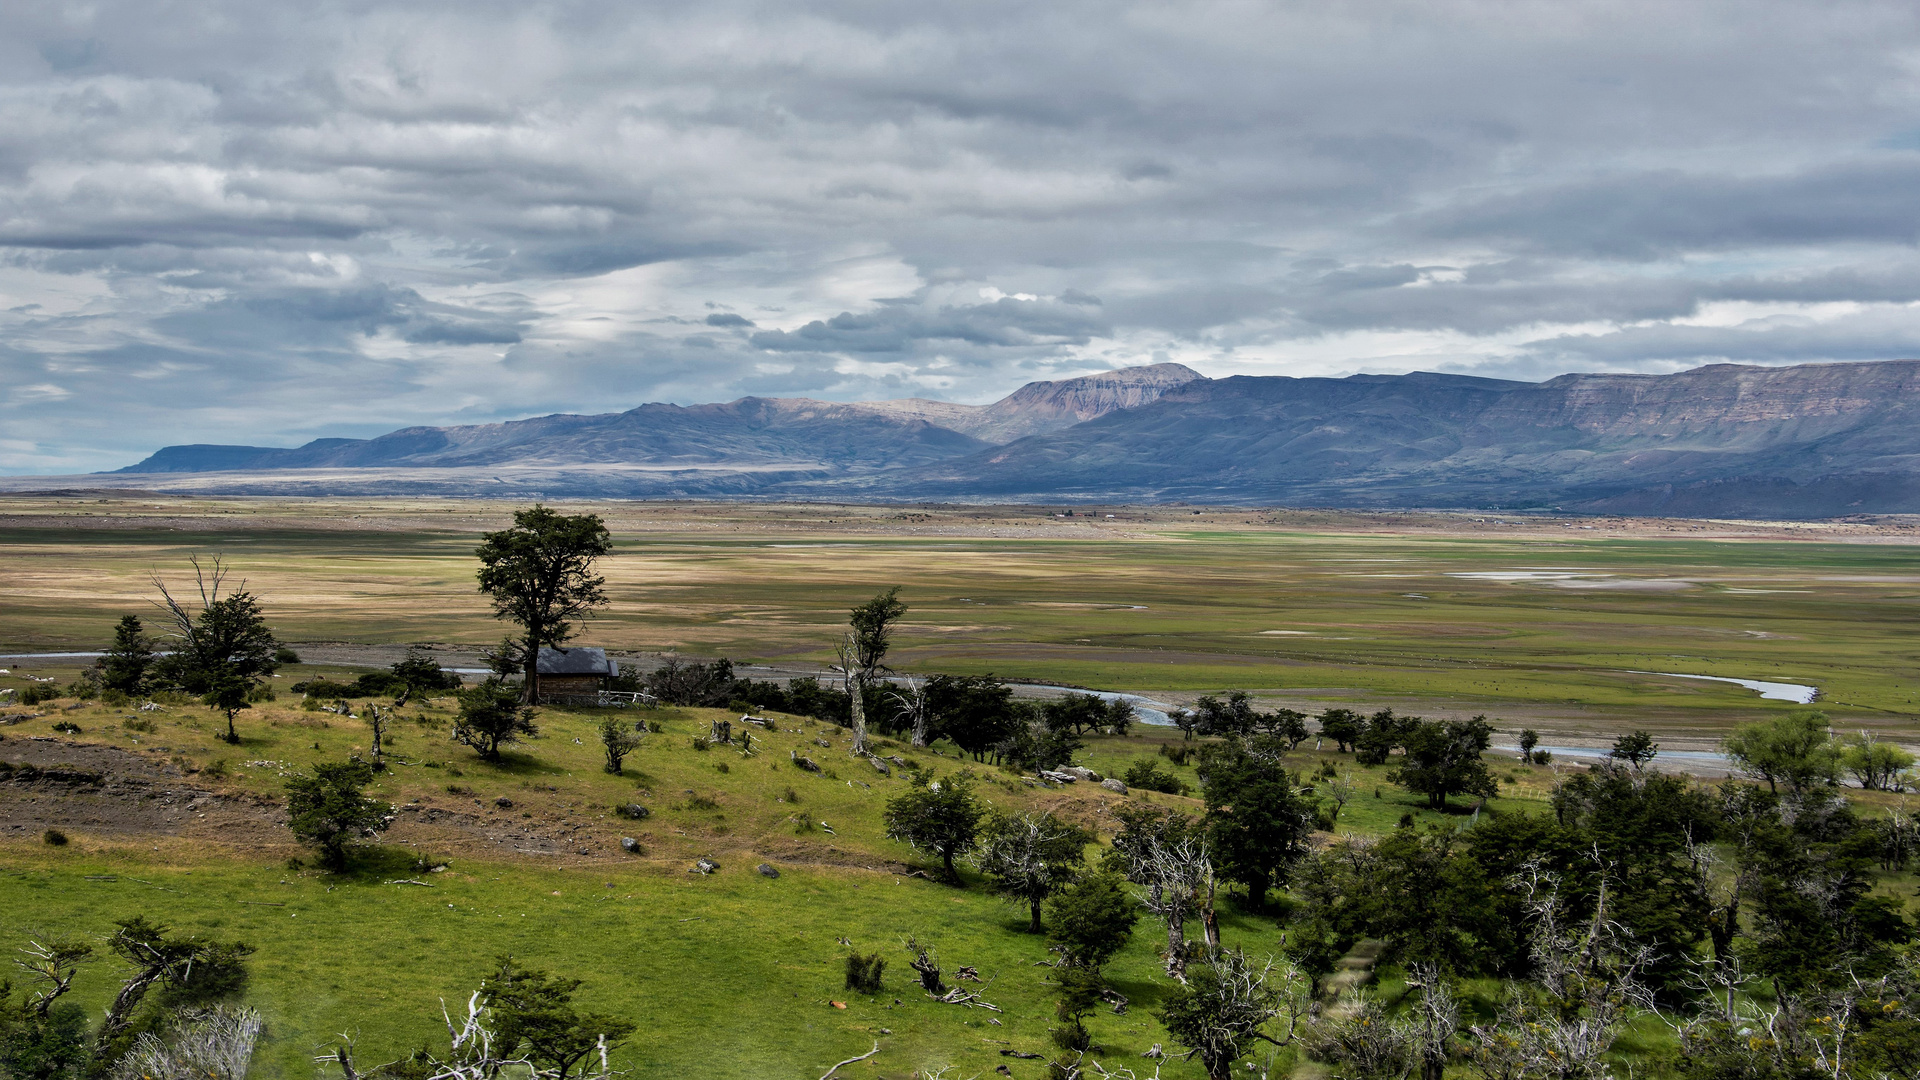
(1367, 1041)
(209, 1044)
(1340, 789)
(1587, 974)
(1176, 875)
(1434, 1020)
(377, 723)
(849, 655)
(54, 963)
(927, 965)
(913, 704)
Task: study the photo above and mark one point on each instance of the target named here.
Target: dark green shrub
(54, 838)
(863, 973)
(67, 727)
(1149, 775)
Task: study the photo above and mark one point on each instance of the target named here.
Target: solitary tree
(1878, 766)
(223, 650)
(1091, 920)
(1343, 726)
(1030, 857)
(329, 809)
(540, 575)
(1227, 1005)
(1795, 750)
(491, 716)
(619, 740)
(1635, 748)
(1443, 758)
(535, 1016)
(423, 674)
(1529, 739)
(862, 656)
(1255, 824)
(124, 666)
(941, 818)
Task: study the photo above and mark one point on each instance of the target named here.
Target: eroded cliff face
(1051, 406)
(1726, 436)
(1710, 400)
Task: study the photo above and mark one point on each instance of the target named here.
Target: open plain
(1542, 622)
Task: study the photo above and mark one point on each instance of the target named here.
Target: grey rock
(636, 811)
(503, 803)
(766, 870)
(704, 866)
(1112, 784)
(630, 845)
(1082, 772)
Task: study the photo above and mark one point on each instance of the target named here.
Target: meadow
(736, 974)
(1430, 614)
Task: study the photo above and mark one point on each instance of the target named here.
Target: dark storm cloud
(266, 221)
(1654, 214)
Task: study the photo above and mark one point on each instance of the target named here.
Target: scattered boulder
(704, 866)
(636, 811)
(880, 766)
(898, 760)
(803, 763)
(1082, 772)
(503, 803)
(766, 870)
(1114, 784)
(630, 845)
(1058, 777)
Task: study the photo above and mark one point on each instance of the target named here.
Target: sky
(265, 222)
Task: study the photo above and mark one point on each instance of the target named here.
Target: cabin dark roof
(576, 661)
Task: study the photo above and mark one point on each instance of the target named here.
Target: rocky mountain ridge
(1722, 440)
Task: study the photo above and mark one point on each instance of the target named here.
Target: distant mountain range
(1725, 440)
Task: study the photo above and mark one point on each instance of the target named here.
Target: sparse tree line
(1751, 918)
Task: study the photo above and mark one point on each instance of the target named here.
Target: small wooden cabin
(579, 670)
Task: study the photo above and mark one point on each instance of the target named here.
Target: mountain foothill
(1724, 440)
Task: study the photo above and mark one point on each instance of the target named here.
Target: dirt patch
(108, 792)
(122, 796)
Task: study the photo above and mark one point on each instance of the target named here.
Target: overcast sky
(264, 222)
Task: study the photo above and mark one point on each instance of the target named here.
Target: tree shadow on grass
(374, 864)
(513, 763)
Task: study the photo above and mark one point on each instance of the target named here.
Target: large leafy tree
(1091, 920)
(220, 651)
(329, 808)
(1443, 758)
(1256, 824)
(540, 576)
(1795, 751)
(941, 817)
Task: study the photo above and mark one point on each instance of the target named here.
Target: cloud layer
(265, 222)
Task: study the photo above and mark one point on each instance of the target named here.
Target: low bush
(54, 838)
(1149, 775)
(863, 973)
